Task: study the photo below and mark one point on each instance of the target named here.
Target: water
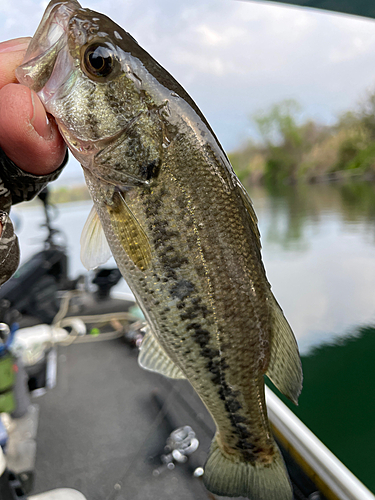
(319, 253)
(69, 218)
(337, 402)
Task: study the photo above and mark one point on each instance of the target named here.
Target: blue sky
(236, 58)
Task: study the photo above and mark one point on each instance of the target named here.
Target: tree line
(291, 151)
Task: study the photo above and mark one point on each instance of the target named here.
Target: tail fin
(225, 477)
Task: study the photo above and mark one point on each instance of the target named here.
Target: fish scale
(182, 229)
(232, 225)
(165, 328)
(234, 433)
(183, 325)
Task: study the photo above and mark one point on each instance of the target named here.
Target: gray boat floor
(103, 428)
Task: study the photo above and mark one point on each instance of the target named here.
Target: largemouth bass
(182, 230)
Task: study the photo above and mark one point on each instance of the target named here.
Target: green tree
(283, 139)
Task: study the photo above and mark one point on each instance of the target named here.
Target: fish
(182, 229)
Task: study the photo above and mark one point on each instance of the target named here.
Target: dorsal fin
(130, 234)
(94, 247)
(152, 357)
(284, 368)
(253, 220)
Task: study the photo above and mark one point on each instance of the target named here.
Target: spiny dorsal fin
(131, 236)
(284, 368)
(250, 210)
(152, 357)
(94, 247)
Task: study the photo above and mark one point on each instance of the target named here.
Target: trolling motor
(32, 289)
(44, 198)
(13, 400)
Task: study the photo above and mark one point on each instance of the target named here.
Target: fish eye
(98, 60)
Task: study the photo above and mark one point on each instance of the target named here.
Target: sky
(236, 58)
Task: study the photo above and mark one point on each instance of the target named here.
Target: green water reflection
(319, 252)
(337, 402)
(300, 206)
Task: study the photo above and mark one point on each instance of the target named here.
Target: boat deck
(104, 426)
(102, 431)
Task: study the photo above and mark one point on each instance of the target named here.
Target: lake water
(69, 218)
(319, 253)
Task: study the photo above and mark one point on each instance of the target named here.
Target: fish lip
(48, 22)
(49, 35)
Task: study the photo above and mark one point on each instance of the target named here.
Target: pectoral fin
(94, 247)
(152, 357)
(130, 234)
(284, 369)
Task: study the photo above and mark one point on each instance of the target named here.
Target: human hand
(27, 137)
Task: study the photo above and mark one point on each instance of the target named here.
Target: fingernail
(40, 120)
(14, 45)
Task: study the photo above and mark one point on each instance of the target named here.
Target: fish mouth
(46, 44)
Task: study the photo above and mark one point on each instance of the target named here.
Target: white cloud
(236, 57)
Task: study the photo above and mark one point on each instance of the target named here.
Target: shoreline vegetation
(65, 194)
(293, 151)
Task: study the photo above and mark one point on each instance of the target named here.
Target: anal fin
(152, 357)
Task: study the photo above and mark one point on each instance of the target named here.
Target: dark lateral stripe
(191, 308)
(217, 366)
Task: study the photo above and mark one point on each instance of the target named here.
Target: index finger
(11, 55)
